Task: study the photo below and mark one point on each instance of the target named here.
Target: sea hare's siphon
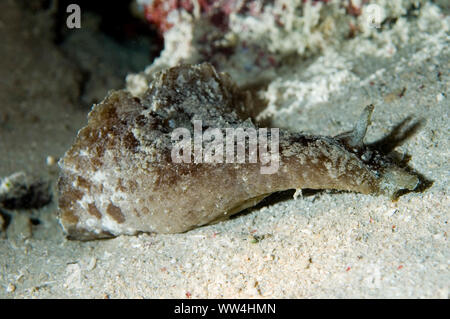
(119, 176)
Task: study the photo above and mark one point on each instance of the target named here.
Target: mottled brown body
(119, 178)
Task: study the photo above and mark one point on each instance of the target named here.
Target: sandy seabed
(322, 244)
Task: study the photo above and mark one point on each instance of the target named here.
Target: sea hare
(120, 175)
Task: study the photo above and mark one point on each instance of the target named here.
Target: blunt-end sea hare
(119, 177)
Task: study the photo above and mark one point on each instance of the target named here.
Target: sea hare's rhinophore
(119, 176)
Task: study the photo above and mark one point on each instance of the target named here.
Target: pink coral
(216, 11)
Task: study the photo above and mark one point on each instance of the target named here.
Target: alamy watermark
(374, 15)
(227, 145)
(73, 20)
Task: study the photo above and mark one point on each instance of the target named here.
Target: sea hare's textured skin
(119, 178)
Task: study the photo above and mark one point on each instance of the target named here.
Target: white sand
(329, 244)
